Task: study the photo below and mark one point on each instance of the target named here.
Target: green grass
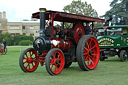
(109, 72)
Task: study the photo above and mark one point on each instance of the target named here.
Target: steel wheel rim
(29, 60)
(56, 62)
(91, 53)
(77, 30)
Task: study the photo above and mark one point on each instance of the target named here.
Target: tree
(7, 37)
(1, 38)
(80, 8)
(18, 38)
(119, 10)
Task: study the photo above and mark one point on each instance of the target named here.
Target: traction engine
(58, 48)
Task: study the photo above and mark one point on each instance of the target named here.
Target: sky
(17, 10)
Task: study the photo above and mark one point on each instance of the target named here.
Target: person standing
(5, 44)
(87, 29)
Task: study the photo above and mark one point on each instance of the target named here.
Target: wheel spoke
(30, 53)
(56, 68)
(90, 43)
(24, 58)
(92, 61)
(85, 49)
(58, 58)
(32, 64)
(54, 55)
(92, 47)
(85, 54)
(87, 45)
(51, 67)
(26, 55)
(87, 62)
(85, 58)
(27, 65)
(24, 62)
(51, 62)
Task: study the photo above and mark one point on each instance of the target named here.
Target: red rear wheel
(54, 61)
(28, 60)
(88, 52)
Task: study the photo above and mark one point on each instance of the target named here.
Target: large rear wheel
(28, 60)
(54, 61)
(87, 52)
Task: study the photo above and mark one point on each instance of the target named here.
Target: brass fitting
(42, 9)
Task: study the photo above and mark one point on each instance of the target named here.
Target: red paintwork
(57, 62)
(105, 28)
(91, 60)
(30, 60)
(78, 32)
(44, 54)
(64, 45)
(57, 28)
(52, 16)
(67, 17)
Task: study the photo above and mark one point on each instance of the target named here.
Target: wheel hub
(29, 60)
(90, 53)
(57, 61)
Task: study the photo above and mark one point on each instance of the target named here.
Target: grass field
(109, 72)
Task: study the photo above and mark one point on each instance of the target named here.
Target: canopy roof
(67, 17)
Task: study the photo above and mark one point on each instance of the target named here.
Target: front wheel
(123, 55)
(54, 61)
(87, 52)
(28, 60)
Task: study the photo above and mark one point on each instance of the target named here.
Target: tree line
(16, 40)
(118, 12)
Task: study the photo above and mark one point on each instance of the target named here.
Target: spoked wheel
(67, 64)
(28, 60)
(123, 55)
(78, 32)
(54, 61)
(87, 52)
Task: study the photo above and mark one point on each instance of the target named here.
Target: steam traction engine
(58, 48)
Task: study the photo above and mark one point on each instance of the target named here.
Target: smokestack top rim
(42, 9)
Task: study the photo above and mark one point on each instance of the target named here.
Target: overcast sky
(17, 10)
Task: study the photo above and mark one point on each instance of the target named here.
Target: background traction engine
(59, 51)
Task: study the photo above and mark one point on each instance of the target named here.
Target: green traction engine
(113, 40)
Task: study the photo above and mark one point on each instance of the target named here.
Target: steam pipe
(42, 21)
